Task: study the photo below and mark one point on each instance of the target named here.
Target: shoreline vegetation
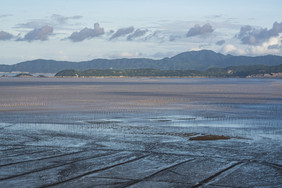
(251, 71)
(233, 71)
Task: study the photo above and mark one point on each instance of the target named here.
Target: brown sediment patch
(210, 137)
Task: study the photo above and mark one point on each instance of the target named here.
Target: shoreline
(120, 77)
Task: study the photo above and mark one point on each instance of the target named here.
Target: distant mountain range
(193, 60)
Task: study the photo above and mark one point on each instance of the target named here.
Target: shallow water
(135, 132)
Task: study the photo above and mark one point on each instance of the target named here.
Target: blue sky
(78, 30)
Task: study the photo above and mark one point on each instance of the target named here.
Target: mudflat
(140, 132)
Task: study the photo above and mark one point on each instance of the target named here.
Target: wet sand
(140, 132)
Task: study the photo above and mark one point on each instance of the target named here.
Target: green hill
(193, 60)
(232, 71)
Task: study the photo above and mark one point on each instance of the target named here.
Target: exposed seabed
(140, 132)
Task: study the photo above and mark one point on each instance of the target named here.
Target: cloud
(137, 33)
(33, 24)
(160, 36)
(155, 34)
(200, 30)
(272, 46)
(265, 49)
(215, 16)
(125, 54)
(252, 36)
(174, 37)
(231, 49)
(87, 33)
(63, 19)
(38, 34)
(130, 54)
(161, 55)
(220, 42)
(122, 32)
(5, 15)
(54, 20)
(5, 36)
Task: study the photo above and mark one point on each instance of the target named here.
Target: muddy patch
(210, 137)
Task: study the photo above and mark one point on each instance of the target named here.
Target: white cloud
(196, 49)
(253, 36)
(271, 46)
(231, 49)
(266, 47)
(129, 54)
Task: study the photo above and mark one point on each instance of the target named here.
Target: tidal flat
(140, 132)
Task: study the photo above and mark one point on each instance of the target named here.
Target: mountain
(193, 60)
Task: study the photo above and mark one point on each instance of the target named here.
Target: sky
(80, 30)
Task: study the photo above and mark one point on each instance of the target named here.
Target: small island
(24, 75)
